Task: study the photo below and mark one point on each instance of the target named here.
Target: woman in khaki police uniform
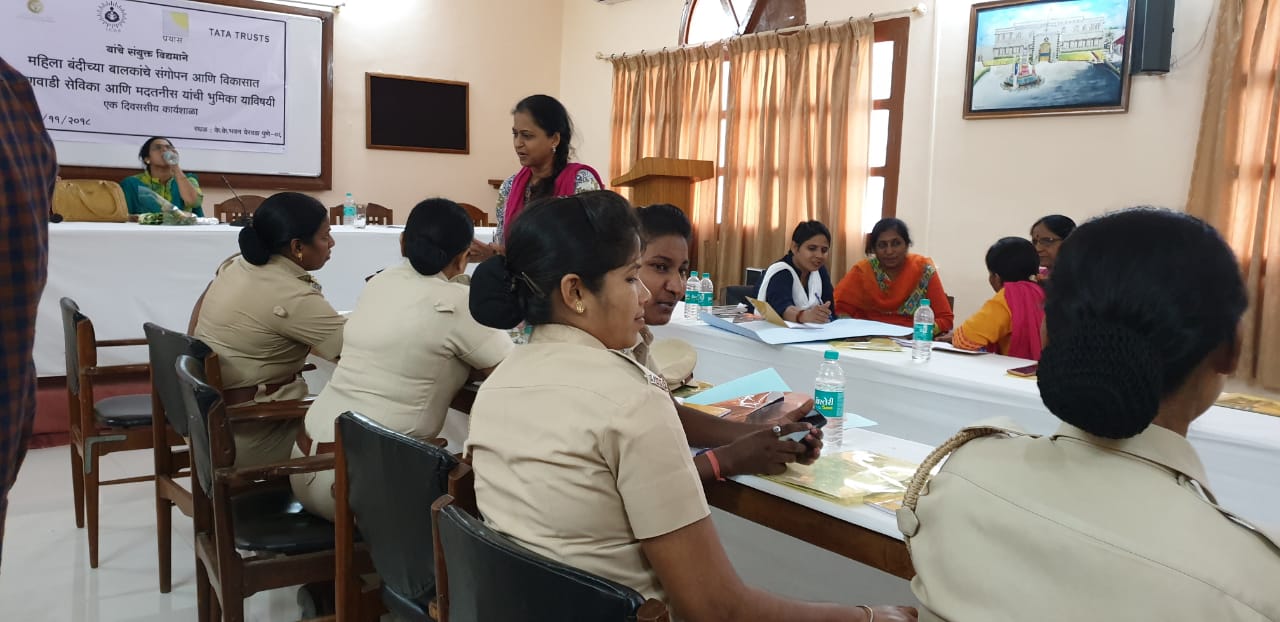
(408, 347)
(736, 448)
(577, 451)
(263, 314)
(1110, 518)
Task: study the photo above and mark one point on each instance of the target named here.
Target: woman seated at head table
(798, 286)
(1111, 517)
(1009, 322)
(161, 180)
(264, 313)
(577, 451)
(738, 448)
(542, 135)
(408, 347)
(1047, 235)
(889, 284)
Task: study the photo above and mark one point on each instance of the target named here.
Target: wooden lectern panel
(665, 180)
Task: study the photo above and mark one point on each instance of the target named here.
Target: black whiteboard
(416, 114)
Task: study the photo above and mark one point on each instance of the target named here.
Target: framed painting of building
(1048, 57)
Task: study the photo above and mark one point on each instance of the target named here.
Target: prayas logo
(35, 6)
(175, 26)
(111, 14)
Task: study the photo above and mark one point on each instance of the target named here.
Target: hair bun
(427, 258)
(1102, 378)
(251, 245)
(494, 299)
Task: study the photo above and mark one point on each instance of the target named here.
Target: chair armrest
(101, 371)
(242, 477)
(269, 411)
(113, 343)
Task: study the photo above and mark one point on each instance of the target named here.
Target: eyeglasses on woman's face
(1045, 242)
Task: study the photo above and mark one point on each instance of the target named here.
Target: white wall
(504, 49)
(964, 183)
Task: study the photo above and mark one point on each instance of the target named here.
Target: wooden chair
(483, 575)
(168, 415)
(98, 427)
(385, 483)
(237, 208)
(374, 215)
(251, 534)
(479, 217)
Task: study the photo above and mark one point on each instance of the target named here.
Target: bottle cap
(706, 275)
(831, 355)
(924, 302)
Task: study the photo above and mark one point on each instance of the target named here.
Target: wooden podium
(666, 180)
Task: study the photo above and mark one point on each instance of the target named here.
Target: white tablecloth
(124, 274)
(927, 403)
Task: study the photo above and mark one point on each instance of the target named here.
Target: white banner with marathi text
(120, 70)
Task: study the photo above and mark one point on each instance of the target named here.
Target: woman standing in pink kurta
(541, 133)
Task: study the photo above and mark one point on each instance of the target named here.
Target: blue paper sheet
(763, 380)
(771, 334)
(850, 420)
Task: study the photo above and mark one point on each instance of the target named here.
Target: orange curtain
(1233, 186)
(667, 105)
(796, 143)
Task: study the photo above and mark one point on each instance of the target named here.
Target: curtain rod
(918, 10)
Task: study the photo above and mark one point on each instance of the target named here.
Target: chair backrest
(479, 217)
(164, 347)
(71, 318)
(374, 214)
(392, 480)
(492, 578)
(237, 208)
(90, 200)
(198, 401)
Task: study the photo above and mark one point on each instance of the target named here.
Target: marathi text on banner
(123, 70)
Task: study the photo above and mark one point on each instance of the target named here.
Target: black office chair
(489, 577)
(251, 534)
(168, 413)
(737, 294)
(385, 485)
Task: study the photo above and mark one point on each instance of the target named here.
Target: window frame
(898, 31)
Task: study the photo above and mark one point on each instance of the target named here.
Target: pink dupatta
(566, 185)
(1026, 306)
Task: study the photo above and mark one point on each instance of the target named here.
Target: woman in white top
(798, 286)
(409, 345)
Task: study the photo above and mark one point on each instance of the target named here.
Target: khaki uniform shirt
(262, 321)
(1076, 527)
(579, 456)
(408, 347)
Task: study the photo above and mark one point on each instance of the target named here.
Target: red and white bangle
(715, 464)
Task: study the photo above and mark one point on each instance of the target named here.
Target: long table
(928, 403)
(125, 274)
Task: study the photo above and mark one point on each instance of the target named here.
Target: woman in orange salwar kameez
(889, 284)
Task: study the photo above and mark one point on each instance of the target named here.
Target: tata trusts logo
(112, 15)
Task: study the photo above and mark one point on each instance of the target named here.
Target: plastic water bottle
(349, 210)
(708, 290)
(828, 389)
(361, 218)
(922, 340)
(692, 297)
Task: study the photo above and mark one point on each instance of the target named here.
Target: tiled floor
(45, 573)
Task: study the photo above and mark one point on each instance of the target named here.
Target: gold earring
(299, 255)
(579, 307)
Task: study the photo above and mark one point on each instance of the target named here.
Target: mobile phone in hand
(814, 418)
